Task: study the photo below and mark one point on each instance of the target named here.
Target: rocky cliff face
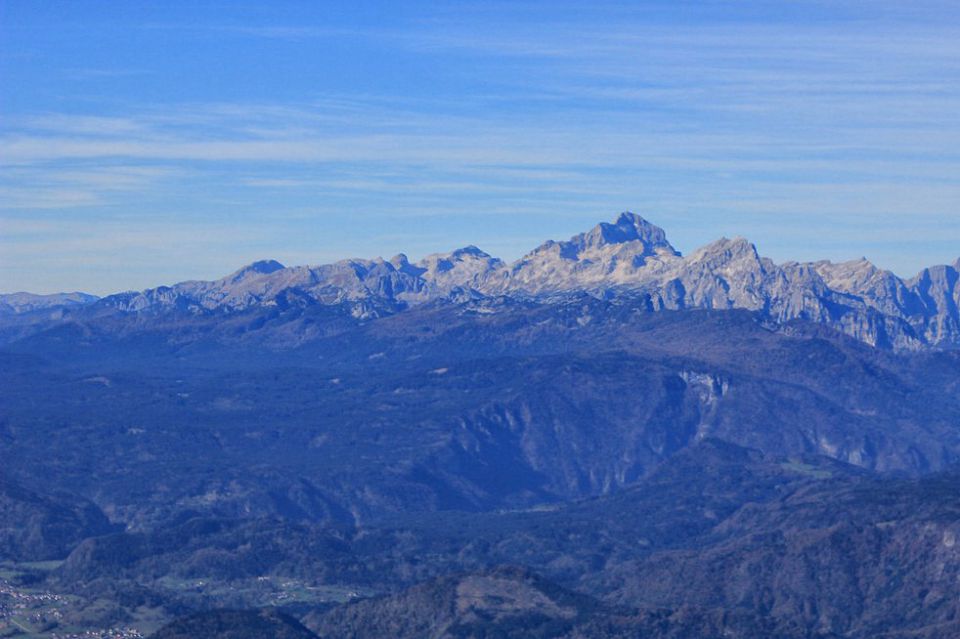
(629, 256)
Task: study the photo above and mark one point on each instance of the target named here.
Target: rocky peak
(937, 284)
(724, 251)
(467, 267)
(260, 267)
(467, 256)
(630, 238)
(628, 227)
(470, 250)
(847, 275)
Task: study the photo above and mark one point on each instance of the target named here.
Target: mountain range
(602, 439)
(628, 257)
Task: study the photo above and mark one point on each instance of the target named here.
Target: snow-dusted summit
(607, 255)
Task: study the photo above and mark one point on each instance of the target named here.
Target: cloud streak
(485, 113)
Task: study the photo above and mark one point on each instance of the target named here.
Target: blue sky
(144, 143)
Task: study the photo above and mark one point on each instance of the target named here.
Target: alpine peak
(260, 267)
(470, 250)
(628, 227)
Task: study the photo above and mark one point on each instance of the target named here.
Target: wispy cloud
(847, 118)
(69, 186)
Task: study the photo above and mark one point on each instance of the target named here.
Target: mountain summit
(628, 227)
(608, 255)
(261, 267)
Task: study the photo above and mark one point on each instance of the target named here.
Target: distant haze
(143, 144)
